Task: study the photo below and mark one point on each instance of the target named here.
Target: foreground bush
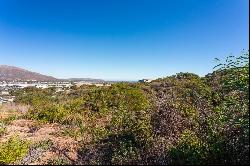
(13, 150)
(125, 129)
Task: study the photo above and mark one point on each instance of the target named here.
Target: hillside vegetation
(180, 119)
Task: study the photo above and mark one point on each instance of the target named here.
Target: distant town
(13, 78)
(6, 87)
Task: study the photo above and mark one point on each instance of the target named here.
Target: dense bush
(189, 150)
(123, 128)
(180, 119)
(230, 124)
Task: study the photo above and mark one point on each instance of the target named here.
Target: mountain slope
(11, 73)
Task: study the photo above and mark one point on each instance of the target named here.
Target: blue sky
(121, 39)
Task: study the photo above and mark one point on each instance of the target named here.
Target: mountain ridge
(12, 73)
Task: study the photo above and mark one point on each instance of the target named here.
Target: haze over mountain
(11, 73)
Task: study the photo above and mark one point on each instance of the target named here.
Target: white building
(145, 80)
(4, 93)
(42, 86)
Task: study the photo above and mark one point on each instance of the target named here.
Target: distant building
(4, 93)
(42, 86)
(59, 89)
(7, 99)
(145, 80)
(78, 84)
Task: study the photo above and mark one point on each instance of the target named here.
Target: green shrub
(58, 161)
(119, 140)
(125, 153)
(44, 144)
(189, 150)
(13, 150)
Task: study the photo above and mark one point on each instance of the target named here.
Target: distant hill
(11, 73)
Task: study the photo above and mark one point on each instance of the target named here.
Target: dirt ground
(60, 147)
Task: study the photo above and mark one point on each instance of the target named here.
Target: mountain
(11, 73)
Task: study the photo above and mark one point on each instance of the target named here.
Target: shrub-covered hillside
(180, 119)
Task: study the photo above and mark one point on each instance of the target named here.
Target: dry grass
(35, 132)
(9, 107)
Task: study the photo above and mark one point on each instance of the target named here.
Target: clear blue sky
(121, 39)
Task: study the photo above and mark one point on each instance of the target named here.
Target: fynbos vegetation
(180, 119)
